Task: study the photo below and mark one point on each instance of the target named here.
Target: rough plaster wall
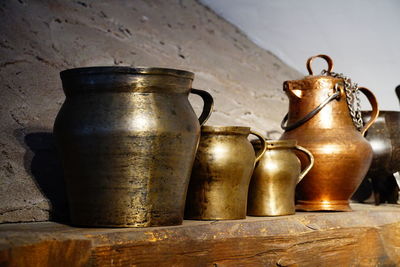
(40, 38)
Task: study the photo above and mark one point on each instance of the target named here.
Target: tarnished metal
(273, 183)
(342, 155)
(384, 137)
(221, 174)
(128, 138)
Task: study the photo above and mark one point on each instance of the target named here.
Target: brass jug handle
(327, 59)
(263, 146)
(310, 165)
(375, 109)
(208, 104)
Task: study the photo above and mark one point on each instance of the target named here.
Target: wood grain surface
(368, 236)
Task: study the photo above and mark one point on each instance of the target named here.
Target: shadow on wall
(41, 160)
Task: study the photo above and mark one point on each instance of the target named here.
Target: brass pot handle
(263, 146)
(327, 59)
(375, 109)
(208, 104)
(310, 165)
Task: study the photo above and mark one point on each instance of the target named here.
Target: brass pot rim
(285, 143)
(127, 70)
(225, 129)
(272, 144)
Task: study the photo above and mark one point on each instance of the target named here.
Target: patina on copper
(221, 173)
(273, 183)
(342, 155)
(128, 137)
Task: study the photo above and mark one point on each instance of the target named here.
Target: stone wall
(39, 38)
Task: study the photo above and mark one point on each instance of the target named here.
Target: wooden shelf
(368, 236)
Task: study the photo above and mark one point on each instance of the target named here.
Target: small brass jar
(221, 174)
(272, 186)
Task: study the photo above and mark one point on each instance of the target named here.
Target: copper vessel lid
(225, 129)
(127, 70)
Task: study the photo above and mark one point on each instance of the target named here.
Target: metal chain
(352, 98)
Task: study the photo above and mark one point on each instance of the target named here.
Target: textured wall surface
(41, 38)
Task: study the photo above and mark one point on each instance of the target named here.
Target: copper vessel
(273, 183)
(128, 137)
(221, 174)
(319, 119)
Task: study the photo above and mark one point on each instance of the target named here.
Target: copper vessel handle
(309, 115)
(327, 59)
(263, 145)
(208, 104)
(310, 165)
(375, 109)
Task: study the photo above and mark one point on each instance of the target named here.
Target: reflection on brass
(221, 174)
(127, 137)
(272, 186)
(342, 155)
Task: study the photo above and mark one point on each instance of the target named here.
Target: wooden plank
(47, 253)
(369, 236)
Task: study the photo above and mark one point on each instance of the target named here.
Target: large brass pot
(128, 138)
(273, 183)
(342, 155)
(221, 174)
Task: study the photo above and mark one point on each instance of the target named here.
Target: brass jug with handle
(221, 173)
(324, 119)
(273, 183)
(128, 138)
